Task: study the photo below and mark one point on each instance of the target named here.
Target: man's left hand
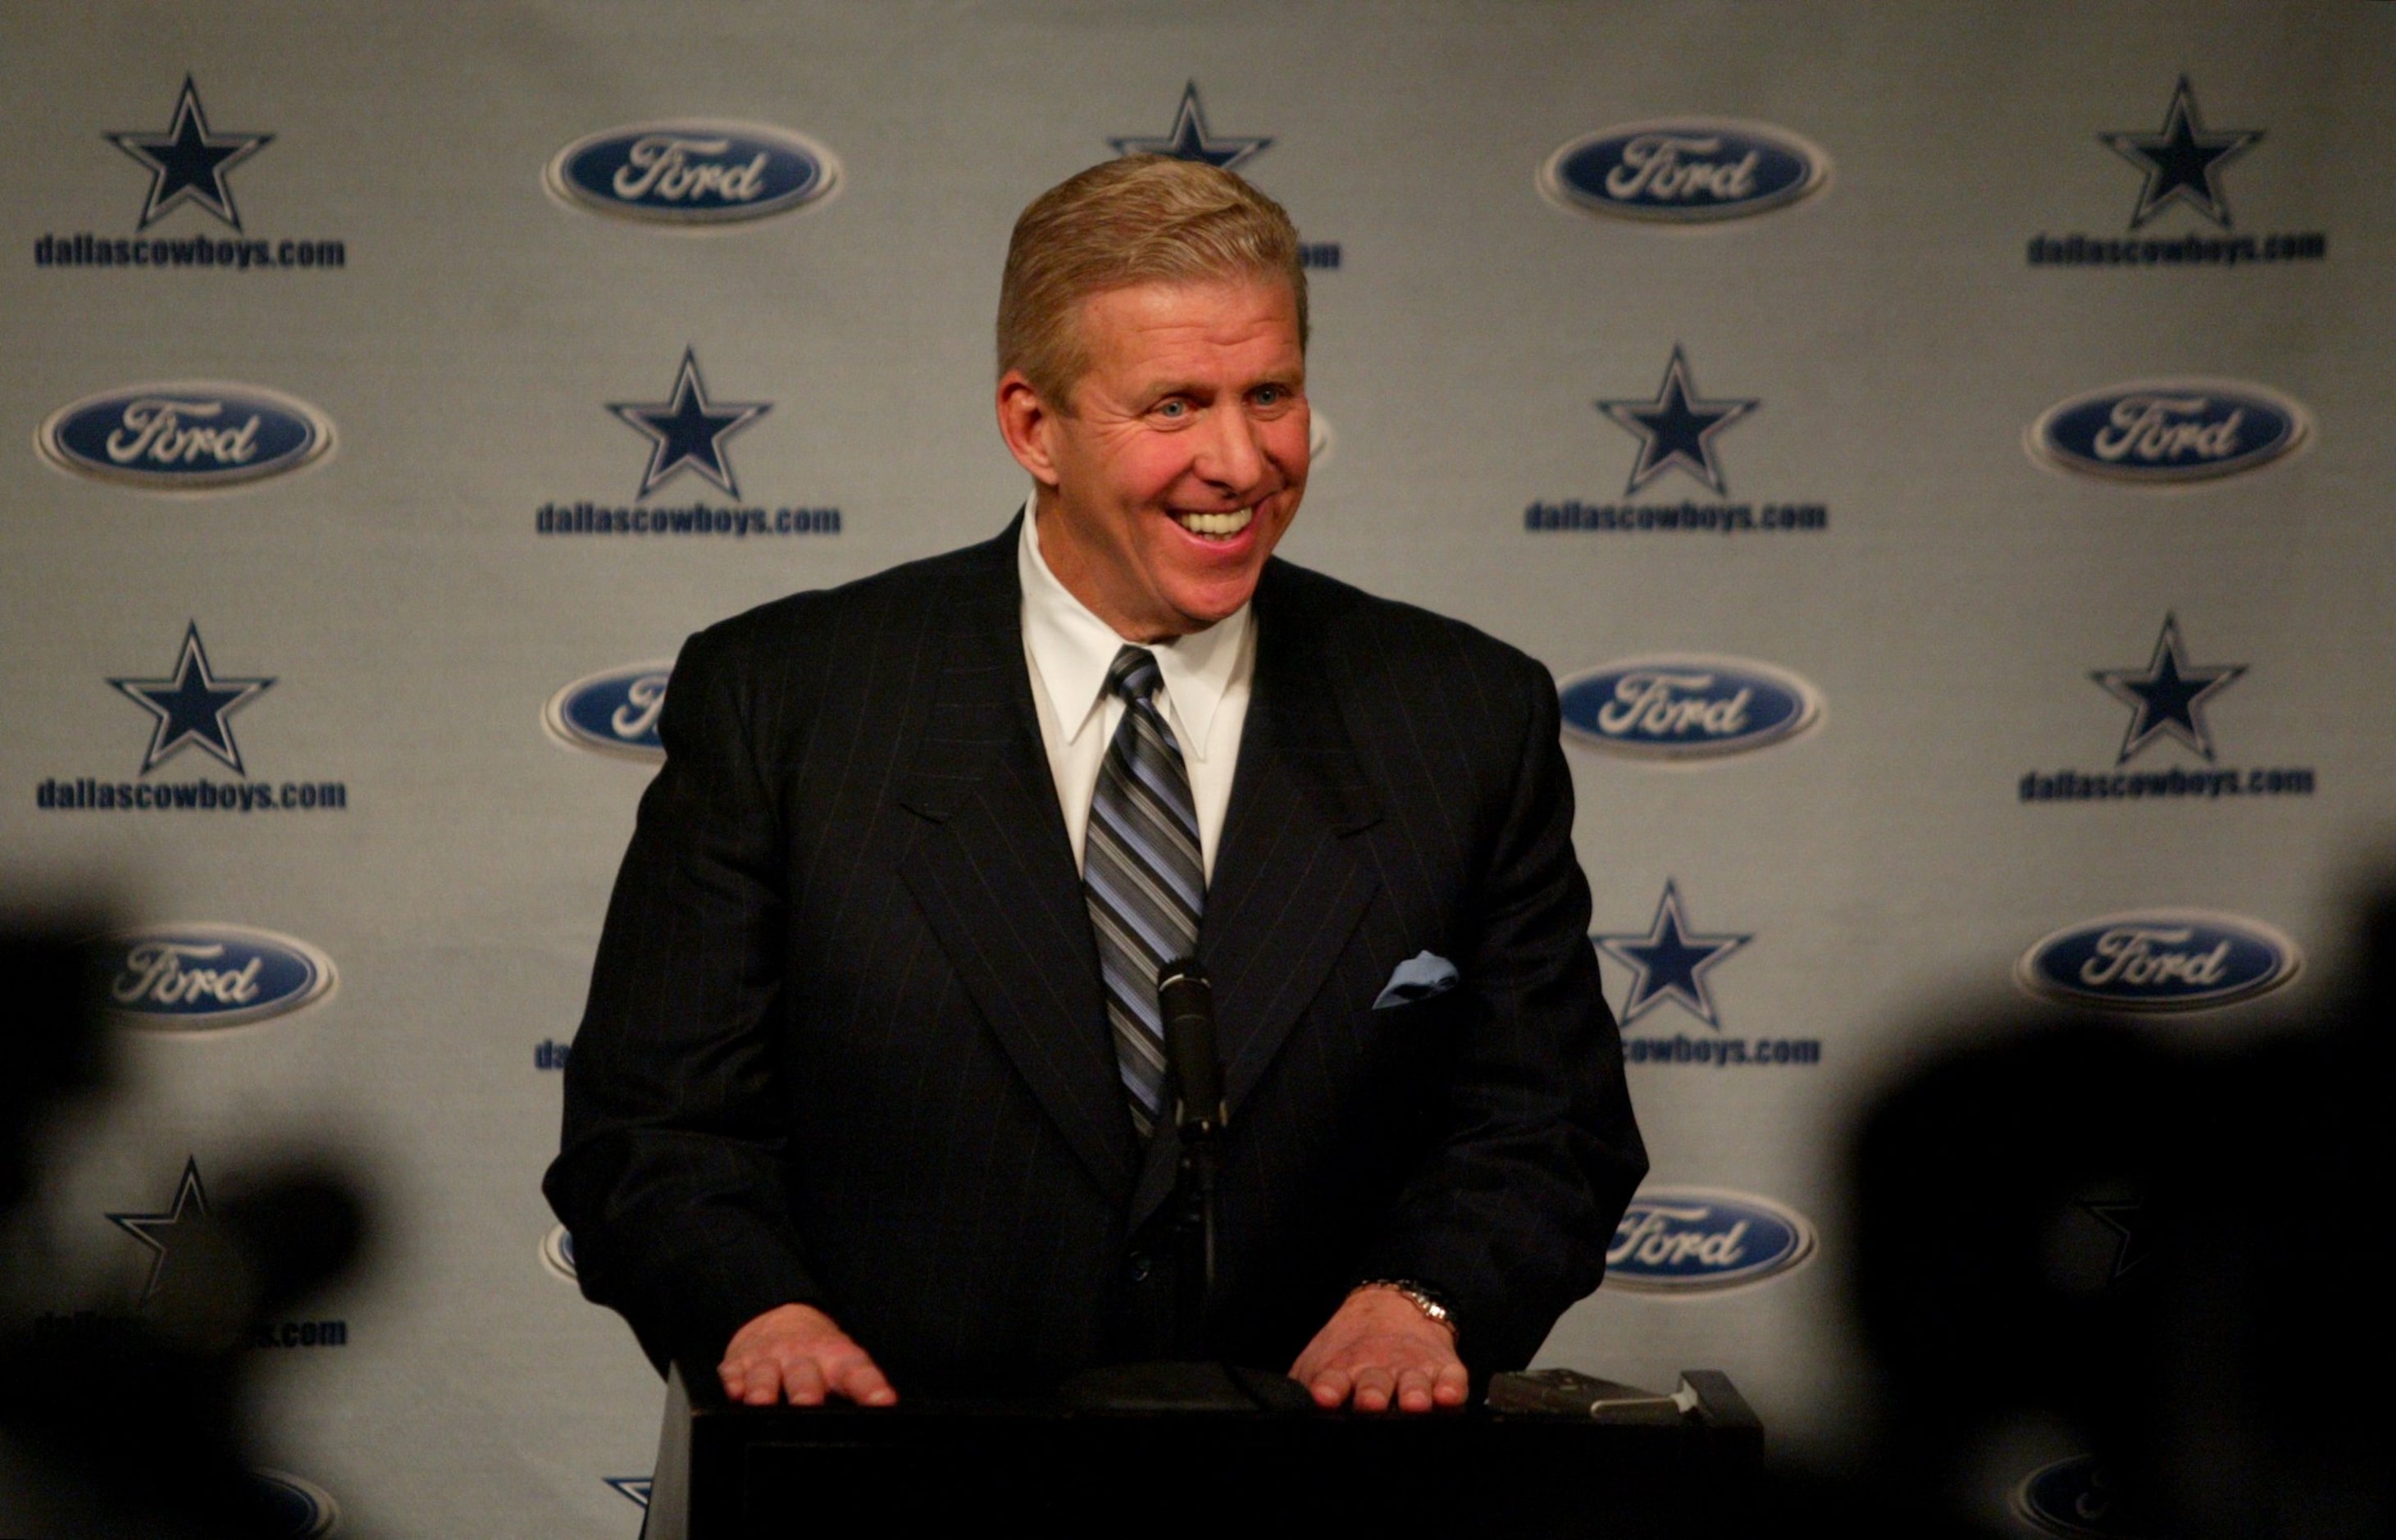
(1379, 1350)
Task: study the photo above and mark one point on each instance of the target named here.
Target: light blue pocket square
(1418, 977)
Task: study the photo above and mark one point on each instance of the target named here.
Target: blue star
(687, 429)
(1189, 140)
(192, 706)
(1677, 428)
(2180, 160)
(2121, 1217)
(150, 1229)
(633, 1488)
(187, 163)
(2168, 698)
(1670, 962)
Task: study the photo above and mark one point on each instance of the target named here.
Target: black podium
(931, 1465)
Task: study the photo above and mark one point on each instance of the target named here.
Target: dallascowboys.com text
(87, 250)
(583, 518)
(2182, 251)
(1723, 1052)
(82, 794)
(2122, 784)
(1714, 518)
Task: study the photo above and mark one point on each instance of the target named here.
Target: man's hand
(795, 1353)
(1379, 1348)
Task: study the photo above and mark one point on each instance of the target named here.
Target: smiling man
(870, 1092)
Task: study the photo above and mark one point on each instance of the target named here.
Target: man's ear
(1027, 422)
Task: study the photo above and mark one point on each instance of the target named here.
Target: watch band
(1422, 1296)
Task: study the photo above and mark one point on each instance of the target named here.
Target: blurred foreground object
(57, 1049)
(2157, 1240)
(136, 1425)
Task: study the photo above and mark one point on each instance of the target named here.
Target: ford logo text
(692, 173)
(1684, 170)
(615, 713)
(194, 977)
(2072, 1498)
(2168, 433)
(2160, 959)
(186, 436)
(290, 1507)
(1686, 707)
(1685, 1239)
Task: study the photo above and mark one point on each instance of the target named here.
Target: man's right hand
(796, 1353)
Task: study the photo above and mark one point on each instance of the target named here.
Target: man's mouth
(1216, 527)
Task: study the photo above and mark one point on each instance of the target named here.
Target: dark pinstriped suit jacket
(846, 1045)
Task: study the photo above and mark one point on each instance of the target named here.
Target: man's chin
(1195, 612)
(1209, 584)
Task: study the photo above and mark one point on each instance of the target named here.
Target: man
(870, 1092)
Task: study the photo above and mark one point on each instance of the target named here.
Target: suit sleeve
(669, 1176)
(1513, 1211)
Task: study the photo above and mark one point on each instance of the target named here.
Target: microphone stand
(1192, 1380)
(1195, 1298)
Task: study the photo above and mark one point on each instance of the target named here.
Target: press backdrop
(1832, 359)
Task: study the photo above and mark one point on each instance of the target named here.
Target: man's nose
(1229, 455)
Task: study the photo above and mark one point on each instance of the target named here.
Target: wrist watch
(1422, 1296)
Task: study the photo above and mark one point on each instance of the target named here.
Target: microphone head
(1186, 1002)
(1181, 970)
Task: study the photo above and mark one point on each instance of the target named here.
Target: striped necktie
(1143, 877)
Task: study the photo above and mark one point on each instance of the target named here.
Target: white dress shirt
(1203, 697)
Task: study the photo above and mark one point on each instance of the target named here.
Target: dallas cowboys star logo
(2167, 698)
(687, 430)
(1189, 139)
(632, 1488)
(2121, 1217)
(188, 163)
(2181, 160)
(190, 1202)
(1677, 428)
(1670, 962)
(191, 705)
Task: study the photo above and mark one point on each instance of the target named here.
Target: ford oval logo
(195, 977)
(2072, 1498)
(1685, 706)
(2169, 432)
(615, 713)
(1684, 170)
(694, 172)
(2160, 959)
(195, 436)
(557, 1252)
(1682, 1240)
(290, 1508)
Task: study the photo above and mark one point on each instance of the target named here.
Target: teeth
(1216, 524)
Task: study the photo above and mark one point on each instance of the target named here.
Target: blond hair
(1138, 220)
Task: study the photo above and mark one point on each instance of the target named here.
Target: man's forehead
(1214, 288)
(1171, 327)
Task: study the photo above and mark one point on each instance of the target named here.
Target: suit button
(1138, 1267)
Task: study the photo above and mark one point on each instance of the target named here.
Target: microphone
(1186, 1003)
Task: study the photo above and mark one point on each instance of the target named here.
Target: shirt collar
(1073, 649)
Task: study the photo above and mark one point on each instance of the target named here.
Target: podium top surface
(729, 1472)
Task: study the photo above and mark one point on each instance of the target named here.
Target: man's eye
(1173, 409)
(1270, 396)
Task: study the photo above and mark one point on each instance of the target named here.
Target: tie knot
(1133, 675)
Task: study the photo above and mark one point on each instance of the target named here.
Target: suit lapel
(994, 873)
(1289, 886)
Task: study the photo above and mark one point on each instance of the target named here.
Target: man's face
(1183, 458)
